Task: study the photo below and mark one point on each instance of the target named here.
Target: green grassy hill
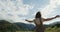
(54, 29)
(6, 26)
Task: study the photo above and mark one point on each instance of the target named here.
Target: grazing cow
(39, 22)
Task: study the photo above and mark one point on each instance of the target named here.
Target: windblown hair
(38, 15)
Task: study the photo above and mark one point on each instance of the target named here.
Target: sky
(19, 10)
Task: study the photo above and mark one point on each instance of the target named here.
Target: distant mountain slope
(31, 26)
(25, 26)
(6, 26)
(57, 24)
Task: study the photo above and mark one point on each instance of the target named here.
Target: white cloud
(50, 8)
(58, 2)
(10, 7)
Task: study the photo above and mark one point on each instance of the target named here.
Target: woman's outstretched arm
(48, 19)
(28, 20)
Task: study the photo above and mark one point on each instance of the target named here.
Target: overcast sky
(19, 10)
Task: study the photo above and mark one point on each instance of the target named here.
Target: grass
(49, 29)
(55, 29)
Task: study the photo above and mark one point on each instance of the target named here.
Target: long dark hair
(38, 15)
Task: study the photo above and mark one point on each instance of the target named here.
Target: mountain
(54, 24)
(57, 24)
(25, 26)
(7, 26)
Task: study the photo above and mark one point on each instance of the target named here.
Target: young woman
(39, 22)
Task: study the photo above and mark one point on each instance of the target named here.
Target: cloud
(58, 2)
(50, 8)
(25, 9)
(9, 10)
